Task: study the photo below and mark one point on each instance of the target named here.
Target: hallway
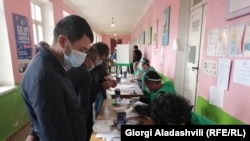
(21, 134)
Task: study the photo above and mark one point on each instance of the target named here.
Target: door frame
(203, 5)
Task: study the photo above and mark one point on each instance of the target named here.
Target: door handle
(194, 68)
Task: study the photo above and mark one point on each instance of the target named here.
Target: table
(129, 88)
(108, 103)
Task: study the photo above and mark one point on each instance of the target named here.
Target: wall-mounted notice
(223, 73)
(235, 39)
(211, 42)
(242, 72)
(23, 40)
(246, 44)
(222, 41)
(216, 96)
(210, 67)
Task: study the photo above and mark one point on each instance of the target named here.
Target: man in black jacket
(48, 93)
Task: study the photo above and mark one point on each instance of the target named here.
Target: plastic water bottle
(117, 96)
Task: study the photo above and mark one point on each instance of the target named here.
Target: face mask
(99, 62)
(75, 59)
(148, 90)
(90, 69)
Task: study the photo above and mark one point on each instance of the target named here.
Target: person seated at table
(154, 87)
(174, 109)
(144, 67)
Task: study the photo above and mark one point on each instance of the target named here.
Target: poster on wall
(23, 40)
(235, 39)
(222, 41)
(241, 72)
(210, 67)
(154, 34)
(149, 35)
(246, 44)
(166, 22)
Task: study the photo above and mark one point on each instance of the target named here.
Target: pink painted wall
(155, 12)
(24, 10)
(106, 39)
(236, 98)
(9, 7)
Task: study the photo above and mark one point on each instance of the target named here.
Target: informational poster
(154, 34)
(166, 22)
(211, 44)
(235, 39)
(222, 41)
(224, 69)
(242, 72)
(246, 44)
(210, 67)
(23, 40)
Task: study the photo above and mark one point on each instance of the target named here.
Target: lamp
(115, 34)
(112, 23)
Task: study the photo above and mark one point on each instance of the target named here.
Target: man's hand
(106, 84)
(113, 83)
(32, 138)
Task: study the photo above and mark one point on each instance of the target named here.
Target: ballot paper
(114, 135)
(130, 111)
(102, 126)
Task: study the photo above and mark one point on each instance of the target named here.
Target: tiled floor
(20, 135)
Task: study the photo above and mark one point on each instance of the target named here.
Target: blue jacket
(51, 100)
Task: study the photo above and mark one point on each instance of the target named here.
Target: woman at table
(154, 87)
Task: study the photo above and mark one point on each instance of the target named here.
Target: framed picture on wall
(149, 35)
(155, 34)
(237, 8)
(166, 22)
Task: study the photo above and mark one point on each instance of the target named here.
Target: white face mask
(75, 59)
(99, 62)
(90, 69)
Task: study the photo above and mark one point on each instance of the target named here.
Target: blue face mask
(74, 59)
(99, 62)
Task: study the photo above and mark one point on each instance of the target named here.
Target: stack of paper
(101, 126)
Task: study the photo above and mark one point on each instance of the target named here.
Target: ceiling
(99, 13)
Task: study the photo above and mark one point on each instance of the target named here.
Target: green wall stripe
(13, 114)
(214, 113)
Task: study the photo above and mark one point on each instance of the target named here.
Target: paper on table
(104, 122)
(113, 134)
(139, 103)
(125, 101)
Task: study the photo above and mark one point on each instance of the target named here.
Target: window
(7, 82)
(36, 14)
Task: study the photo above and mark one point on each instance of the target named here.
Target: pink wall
(58, 7)
(106, 39)
(24, 10)
(236, 98)
(155, 12)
